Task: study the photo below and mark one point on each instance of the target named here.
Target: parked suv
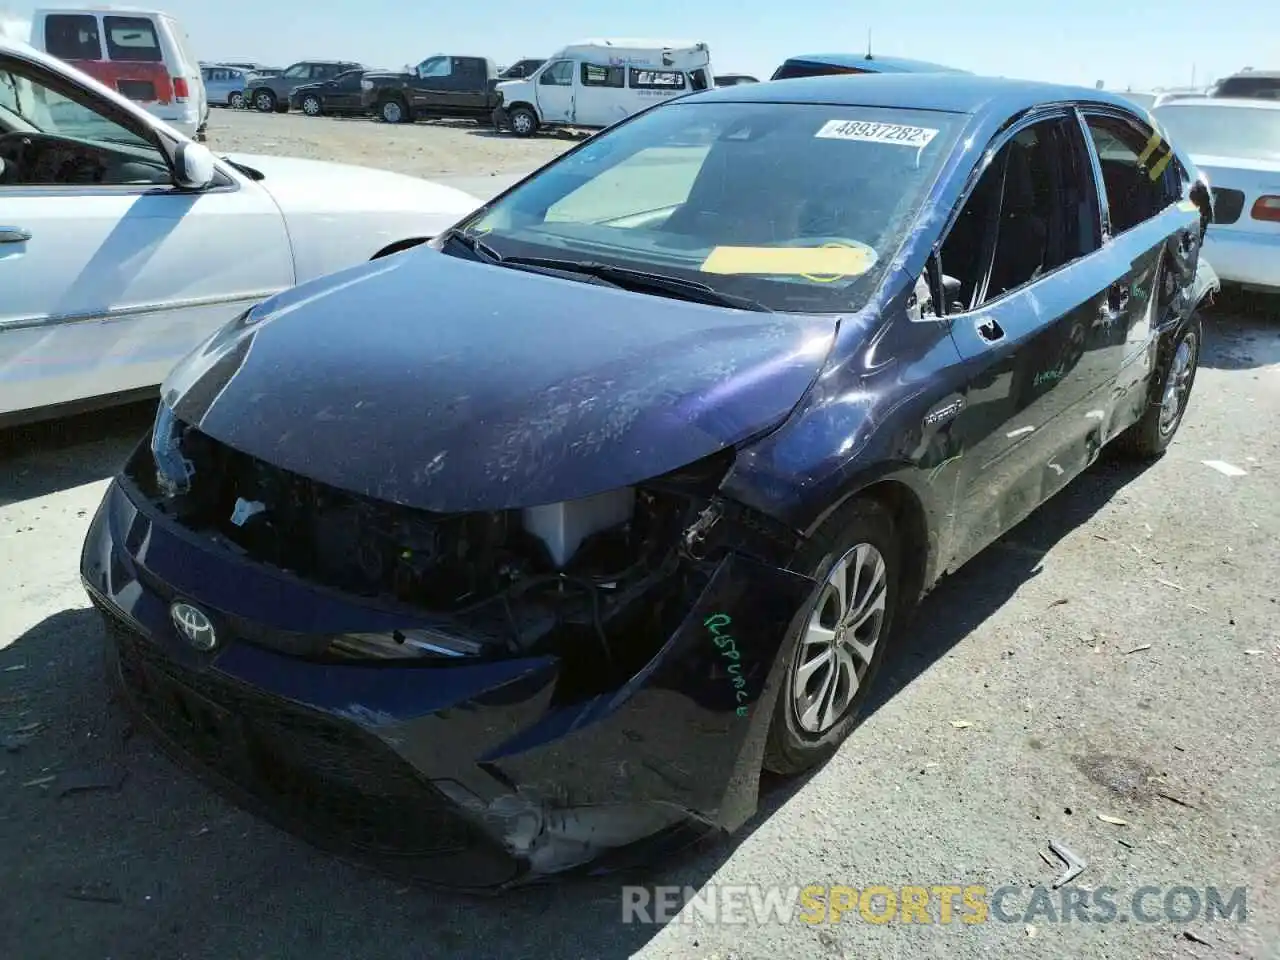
(1250, 85)
(269, 94)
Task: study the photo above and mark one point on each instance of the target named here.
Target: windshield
(1248, 133)
(799, 207)
(24, 104)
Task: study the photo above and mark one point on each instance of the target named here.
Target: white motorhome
(595, 83)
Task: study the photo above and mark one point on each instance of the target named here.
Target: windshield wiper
(474, 244)
(641, 281)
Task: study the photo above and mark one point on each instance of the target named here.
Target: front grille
(1228, 204)
(353, 543)
(326, 775)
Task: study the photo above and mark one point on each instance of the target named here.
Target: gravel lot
(1117, 654)
(420, 149)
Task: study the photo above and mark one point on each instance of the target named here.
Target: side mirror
(193, 166)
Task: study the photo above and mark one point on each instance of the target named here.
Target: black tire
(312, 106)
(1150, 437)
(522, 121)
(236, 100)
(394, 110)
(789, 748)
(264, 101)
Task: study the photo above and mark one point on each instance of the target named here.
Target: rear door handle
(14, 235)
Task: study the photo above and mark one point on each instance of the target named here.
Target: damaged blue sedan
(526, 551)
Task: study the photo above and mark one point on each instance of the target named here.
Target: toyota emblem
(194, 625)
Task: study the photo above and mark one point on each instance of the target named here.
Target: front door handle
(14, 235)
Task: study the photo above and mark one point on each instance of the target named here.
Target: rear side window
(656, 79)
(1137, 170)
(132, 39)
(598, 76)
(72, 36)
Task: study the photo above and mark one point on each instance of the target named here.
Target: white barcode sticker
(869, 132)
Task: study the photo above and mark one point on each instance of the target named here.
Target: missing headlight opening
(599, 582)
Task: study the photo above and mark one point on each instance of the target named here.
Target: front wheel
(311, 106)
(856, 560)
(236, 101)
(1170, 393)
(523, 122)
(264, 101)
(393, 111)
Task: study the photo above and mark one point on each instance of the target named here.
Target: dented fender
(689, 728)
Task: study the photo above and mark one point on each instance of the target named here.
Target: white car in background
(1236, 144)
(123, 244)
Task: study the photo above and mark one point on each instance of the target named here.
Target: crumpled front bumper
(461, 773)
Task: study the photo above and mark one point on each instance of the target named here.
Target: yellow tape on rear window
(815, 263)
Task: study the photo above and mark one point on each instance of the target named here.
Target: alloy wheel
(840, 640)
(1178, 384)
(311, 107)
(391, 112)
(237, 101)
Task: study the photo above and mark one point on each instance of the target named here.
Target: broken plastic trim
(173, 470)
(403, 644)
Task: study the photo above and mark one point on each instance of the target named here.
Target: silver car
(225, 85)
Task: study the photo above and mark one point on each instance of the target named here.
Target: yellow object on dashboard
(831, 262)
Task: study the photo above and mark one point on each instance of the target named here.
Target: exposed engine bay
(600, 581)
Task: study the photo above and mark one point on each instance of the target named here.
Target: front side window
(656, 79)
(1250, 133)
(132, 39)
(1136, 170)
(299, 71)
(800, 207)
(72, 36)
(435, 67)
(598, 76)
(1033, 210)
(84, 145)
(559, 74)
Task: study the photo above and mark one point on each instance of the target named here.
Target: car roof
(961, 93)
(1228, 103)
(863, 61)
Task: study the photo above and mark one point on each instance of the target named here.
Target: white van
(144, 55)
(595, 83)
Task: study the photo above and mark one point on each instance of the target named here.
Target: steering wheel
(13, 156)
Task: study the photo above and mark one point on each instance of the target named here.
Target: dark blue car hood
(450, 385)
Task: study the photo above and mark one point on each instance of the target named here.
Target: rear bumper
(1242, 257)
(465, 775)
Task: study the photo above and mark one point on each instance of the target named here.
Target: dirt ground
(1116, 656)
(420, 149)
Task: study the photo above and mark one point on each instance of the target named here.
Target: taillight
(1267, 208)
(180, 89)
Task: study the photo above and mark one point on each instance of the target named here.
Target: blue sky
(1142, 44)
